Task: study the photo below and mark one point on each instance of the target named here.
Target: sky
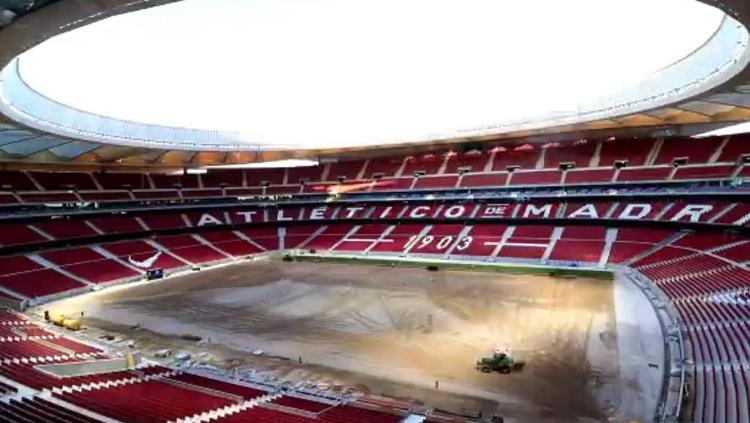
(318, 73)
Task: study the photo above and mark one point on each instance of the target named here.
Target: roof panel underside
(31, 146)
(12, 136)
(73, 149)
(733, 99)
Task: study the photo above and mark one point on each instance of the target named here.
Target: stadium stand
(592, 161)
(602, 207)
(687, 250)
(162, 394)
(39, 410)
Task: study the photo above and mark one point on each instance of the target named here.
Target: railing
(673, 387)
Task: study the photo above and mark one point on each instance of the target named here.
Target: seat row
(162, 395)
(589, 161)
(38, 275)
(708, 291)
(43, 229)
(38, 410)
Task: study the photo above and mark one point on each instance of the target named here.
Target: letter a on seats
(207, 219)
(588, 210)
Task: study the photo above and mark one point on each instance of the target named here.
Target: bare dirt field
(386, 331)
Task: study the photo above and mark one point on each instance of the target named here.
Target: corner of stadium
(411, 259)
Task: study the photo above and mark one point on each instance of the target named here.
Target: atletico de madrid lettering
(617, 211)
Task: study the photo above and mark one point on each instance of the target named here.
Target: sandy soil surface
(386, 331)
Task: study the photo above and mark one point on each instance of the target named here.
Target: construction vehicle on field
(71, 322)
(500, 361)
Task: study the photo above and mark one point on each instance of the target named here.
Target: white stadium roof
(283, 79)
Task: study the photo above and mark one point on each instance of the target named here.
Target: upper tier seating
(704, 172)
(18, 181)
(60, 181)
(429, 164)
(117, 181)
(632, 151)
(592, 161)
(644, 174)
(579, 154)
(348, 170)
(306, 174)
(48, 197)
(524, 157)
(202, 193)
(536, 177)
(219, 177)
(471, 161)
(172, 181)
(156, 194)
(105, 196)
(582, 176)
(737, 147)
(698, 150)
(495, 179)
(433, 182)
(383, 166)
(283, 189)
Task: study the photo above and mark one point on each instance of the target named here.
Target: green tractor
(499, 362)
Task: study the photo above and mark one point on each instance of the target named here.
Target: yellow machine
(131, 361)
(70, 322)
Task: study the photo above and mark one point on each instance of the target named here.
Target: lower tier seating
(157, 401)
(38, 410)
(338, 414)
(146, 394)
(708, 292)
(705, 276)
